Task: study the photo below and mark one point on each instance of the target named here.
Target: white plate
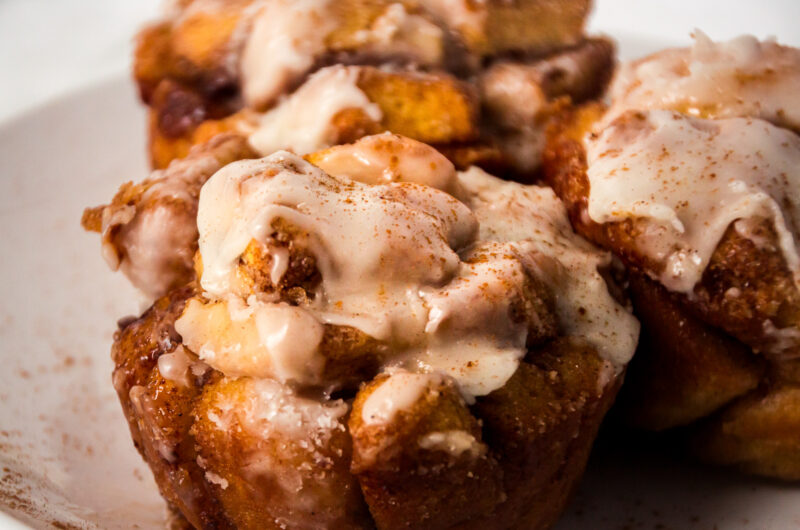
(65, 454)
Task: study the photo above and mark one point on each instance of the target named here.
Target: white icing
(387, 157)
(284, 426)
(175, 366)
(480, 364)
(399, 392)
(535, 221)
(292, 337)
(513, 95)
(272, 408)
(298, 452)
(375, 245)
(216, 479)
(153, 241)
(608, 374)
(470, 315)
(690, 179)
(404, 263)
(280, 264)
(221, 415)
(512, 91)
(286, 38)
(739, 78)
(397, 32)
(455, 443)
(304, 122)
(148, 415)
(114, 217)
(269, 340)
(782, 342)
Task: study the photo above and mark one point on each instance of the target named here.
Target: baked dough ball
(305, 76)
(149, 229)
(703, 211)
(379, 341)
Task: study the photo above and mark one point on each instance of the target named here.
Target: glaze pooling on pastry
(285, 39)
(139, 243)
(397, 393)
(303, 122)
(453, 442)
(690, 179)
(260, 339)
(453, 287)
(397, 32)
(738, 78)
(374, 245)
(535, 221)
(385, 158)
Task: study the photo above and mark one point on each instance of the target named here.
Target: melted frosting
(454, 443)
(535, 222)
(375, 245)
(398, 32)
(690, 179)
(286, 38)
(257, 339)
(739, 78)
(399, 392)
(297, 453)
(152, 241)
(179, 367)
(304, 122)
(404, 263)
(387, 157)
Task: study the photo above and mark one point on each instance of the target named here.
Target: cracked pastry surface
(700, 201)
(413, 346)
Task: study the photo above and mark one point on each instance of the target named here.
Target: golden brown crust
(180, 118)
(484, 155)
(186, 73)
(538, 430)
(759, 433)
(394, 469)
(190, 52)
(766, 292)
(517, 94)
(532, 440)
(301, 272)
(540, 424)
(192, 48)
(151, 61)
(156, 410)
(524, 26)
(697, 364)
(432, 108)
(190, 457)
(670, 386)
(271, 477)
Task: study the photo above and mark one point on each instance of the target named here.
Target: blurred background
(51, 47)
